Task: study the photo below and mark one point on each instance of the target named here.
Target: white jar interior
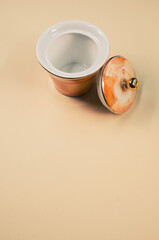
(72, 52)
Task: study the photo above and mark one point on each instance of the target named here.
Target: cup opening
(72, 49)
(72, 52)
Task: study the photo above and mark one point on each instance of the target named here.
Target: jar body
(74, 87)
(72, 52)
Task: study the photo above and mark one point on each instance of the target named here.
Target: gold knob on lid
(133, 83)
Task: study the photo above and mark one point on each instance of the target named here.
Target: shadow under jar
(73, 52)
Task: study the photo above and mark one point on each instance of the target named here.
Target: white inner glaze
(72, 52)
(72, 49)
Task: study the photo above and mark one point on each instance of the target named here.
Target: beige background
(70, 169)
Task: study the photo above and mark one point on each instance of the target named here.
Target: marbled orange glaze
(73, 87)
(116, 70)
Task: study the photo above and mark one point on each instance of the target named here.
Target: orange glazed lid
(117, 84)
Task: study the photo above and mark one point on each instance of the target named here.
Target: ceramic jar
(75, 53)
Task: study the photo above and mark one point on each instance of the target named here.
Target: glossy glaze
(73, 87)
(113, 93)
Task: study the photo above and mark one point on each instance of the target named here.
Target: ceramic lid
(117, 84)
